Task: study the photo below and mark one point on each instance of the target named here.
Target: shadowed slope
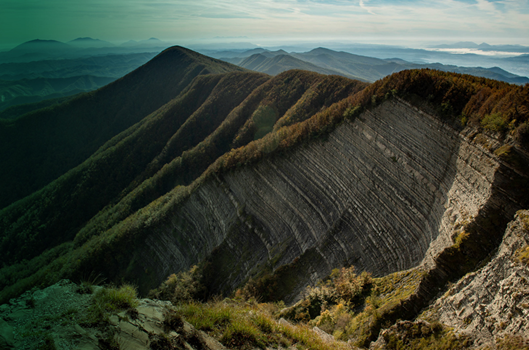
(53, 215)
(288, 93)
(171, 147)
(40, 146)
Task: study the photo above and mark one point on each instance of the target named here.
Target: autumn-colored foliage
(491, 104)
(217, 124)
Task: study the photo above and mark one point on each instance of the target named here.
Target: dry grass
(242, 325)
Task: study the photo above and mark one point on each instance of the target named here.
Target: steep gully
(386, 192)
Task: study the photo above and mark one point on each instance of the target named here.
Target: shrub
(422, 335)
(494, 122)
(512, 342)
(348, 284)
(240, 333)
(173, 320)
(113, 299)
(162, 342)
(48, 344)
(522, 255)
(352, 112)
(330, 303)
(182, 287)
(110, 300)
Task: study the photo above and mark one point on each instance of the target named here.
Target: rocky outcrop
(493, 302)
(45, 315)
(55, 318)
(383, 192)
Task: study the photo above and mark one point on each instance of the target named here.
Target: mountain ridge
(276, 181)
(99, 115)
(354, 66)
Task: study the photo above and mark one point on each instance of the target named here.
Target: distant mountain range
(90, 43)
(37, 49)
(325, 61)
(38, 69)
(482, 46)
(277, 62)
(152, 42)
(34, 90)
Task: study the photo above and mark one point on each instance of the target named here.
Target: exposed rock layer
(382, 193)
(493, 301)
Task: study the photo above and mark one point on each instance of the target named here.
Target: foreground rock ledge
(53, 315)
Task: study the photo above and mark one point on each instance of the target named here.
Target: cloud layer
(488, 20)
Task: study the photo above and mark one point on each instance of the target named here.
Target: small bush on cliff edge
(423, 335)
(495, 122)
(522, 255)
(184, 286)
(110, 300)
(329, 305)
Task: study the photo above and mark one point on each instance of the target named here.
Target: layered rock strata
(382, 192)
(492, 302)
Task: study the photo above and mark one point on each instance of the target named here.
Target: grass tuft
(110, 300)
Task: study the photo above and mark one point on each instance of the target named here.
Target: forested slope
(44, 144)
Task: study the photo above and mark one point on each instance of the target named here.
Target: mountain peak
(87, 38)
(320, 49)
(458, 45)
(88, 42)
(41, 45)
(39, 41)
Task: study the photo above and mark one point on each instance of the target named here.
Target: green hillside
(170, 148)
(21, 109)
(40, 146)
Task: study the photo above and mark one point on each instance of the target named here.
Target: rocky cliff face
(492, 302)
(384, 192)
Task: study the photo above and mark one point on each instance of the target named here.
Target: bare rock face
(493, 302)
(385, 192)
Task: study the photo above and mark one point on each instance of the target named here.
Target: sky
(264, 22)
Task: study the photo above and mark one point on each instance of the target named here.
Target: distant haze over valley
(39, 73)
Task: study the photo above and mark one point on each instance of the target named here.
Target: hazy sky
(493, 21)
